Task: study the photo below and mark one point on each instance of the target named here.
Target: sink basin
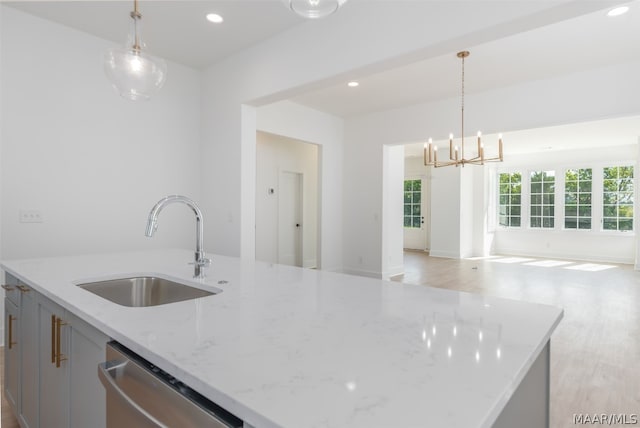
(143, 291)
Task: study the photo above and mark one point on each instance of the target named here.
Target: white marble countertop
(298, 348)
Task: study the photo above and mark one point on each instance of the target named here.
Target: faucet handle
(203, 262)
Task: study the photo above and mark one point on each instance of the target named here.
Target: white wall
(93, 163)
(276, 154)
(392, 211)
(445, 212)
(326, 131)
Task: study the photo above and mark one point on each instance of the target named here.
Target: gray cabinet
(28, 403)
(11, 353)
(54, 370)
(21, 370)
(51, 367)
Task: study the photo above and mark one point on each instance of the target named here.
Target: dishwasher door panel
(137, 397)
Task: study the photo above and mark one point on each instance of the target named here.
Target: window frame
(593, 200)
(597, 188)
(412, 204)
(633, 204)
(542, 194)
(499, 193)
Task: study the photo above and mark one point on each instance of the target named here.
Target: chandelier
(456, 154)
(134, 73)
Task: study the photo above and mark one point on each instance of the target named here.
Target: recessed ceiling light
(353, 84)
(618, 11)
(215, 18)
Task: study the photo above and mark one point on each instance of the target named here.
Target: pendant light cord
(136, 16)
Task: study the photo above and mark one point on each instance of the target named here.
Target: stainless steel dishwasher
(140, 394)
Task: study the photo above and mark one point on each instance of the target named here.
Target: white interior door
(290, 219)
(416, 219)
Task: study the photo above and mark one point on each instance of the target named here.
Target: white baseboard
(394, 271)
(565, 256)
(360, 272)
(444, 254)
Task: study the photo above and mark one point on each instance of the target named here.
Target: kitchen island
(280, 346)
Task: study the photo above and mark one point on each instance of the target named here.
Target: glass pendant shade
(135, 74)
(315, 8)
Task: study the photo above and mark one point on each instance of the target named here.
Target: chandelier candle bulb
(451, 146)
(500, 147)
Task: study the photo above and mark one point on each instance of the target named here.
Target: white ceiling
(585, 42)
(177, 30)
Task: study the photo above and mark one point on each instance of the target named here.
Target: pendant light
(313, 9)
(134, 73)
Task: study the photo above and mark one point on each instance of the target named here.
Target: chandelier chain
(462, 109)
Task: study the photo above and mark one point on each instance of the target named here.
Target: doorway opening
(416, 200)
(286, 200)
(415, 214)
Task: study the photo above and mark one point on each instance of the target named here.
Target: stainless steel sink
(144, 291)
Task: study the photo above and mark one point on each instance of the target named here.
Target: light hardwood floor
(595, 351)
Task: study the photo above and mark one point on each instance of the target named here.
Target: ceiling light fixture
(456, 156)
(314, 9)
(618, 11)
(353, 84)
(135, 74)
(215, 18)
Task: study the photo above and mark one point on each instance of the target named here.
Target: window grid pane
(412, 205)
(509, 199)
(617, 197)
(577, 197)
(542, 186)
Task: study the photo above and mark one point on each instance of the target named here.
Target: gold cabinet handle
(53, 339)
(11, 342)
(8, 287)
(59, 356)
(23, 288)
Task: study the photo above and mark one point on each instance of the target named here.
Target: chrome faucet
(152, 224)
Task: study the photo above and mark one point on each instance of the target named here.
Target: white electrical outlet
(30, 216)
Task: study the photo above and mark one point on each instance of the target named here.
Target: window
(412, 198)
(577, 198)
(617, 198)
(543, 187)
(509, 204)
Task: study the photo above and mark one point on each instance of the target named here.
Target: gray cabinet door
(11, 353)
(87, 349)
(28, 402)
(54, 375)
